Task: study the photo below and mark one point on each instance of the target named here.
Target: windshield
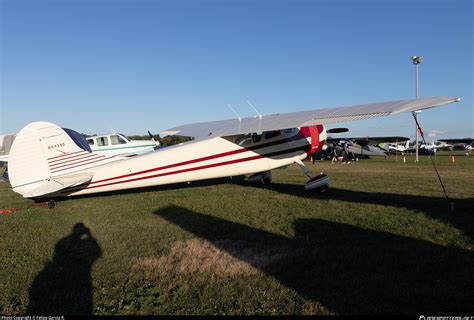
(116, 139)
(124, 137)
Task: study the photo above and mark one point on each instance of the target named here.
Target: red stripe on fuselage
(59, 161)
(66, 154)
(74, 161)
(218, 155)
(82, 164)
(301, 148)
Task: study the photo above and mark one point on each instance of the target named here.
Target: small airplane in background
(397, 147)
(357, 146)
(459, 144)
(117, 144)
(6, 142)
(60, 163)
(426, 148)
(367, 146)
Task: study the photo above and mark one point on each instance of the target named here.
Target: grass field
(381, 241)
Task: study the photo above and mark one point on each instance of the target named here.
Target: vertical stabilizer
(36, 148)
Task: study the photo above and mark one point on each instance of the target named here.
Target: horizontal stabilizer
(59, 183)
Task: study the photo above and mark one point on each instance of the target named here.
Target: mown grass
(382, 241)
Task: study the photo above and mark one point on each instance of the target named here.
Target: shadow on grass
(175, 186)
(435, 207)
(64, 286)
(348, 269)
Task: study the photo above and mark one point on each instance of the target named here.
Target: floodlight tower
(416, 61)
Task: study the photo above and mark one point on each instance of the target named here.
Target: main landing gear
(319, 183)
(264, 177)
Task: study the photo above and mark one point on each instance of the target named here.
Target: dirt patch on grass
(221, 258)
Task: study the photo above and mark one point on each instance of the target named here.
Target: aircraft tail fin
(41, 152)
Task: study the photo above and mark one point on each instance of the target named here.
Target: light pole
(416, 61)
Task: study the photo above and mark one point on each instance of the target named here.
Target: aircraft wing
(279, 121)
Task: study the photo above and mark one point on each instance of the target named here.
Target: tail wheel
(51, 204)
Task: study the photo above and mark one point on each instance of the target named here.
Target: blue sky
(133, 66)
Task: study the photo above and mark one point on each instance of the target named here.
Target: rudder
(35, 147)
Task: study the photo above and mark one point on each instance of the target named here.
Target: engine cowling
(318, 137)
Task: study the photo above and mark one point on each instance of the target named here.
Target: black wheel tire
(51, 204)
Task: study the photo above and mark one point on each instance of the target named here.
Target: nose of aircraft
(318, 137)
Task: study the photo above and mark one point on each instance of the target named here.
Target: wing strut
(304, 168)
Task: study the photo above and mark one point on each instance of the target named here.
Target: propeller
(153, 139)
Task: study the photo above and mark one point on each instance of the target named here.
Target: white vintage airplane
(47, 161)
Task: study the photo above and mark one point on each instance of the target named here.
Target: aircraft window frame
(243, 139)
(91, 141)
(123, 137)
(289, 131)
(120, 140)
(102, 141)
(256, 137)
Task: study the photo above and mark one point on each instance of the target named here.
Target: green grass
(382, 241)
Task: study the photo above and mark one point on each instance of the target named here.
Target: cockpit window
(91, 141)
(124, 137)
(102, 141)
(243, 140)
(78, 139)
(116, 139)
(289, 131)
(272, 134)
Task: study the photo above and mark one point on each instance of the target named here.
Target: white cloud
(435, 133)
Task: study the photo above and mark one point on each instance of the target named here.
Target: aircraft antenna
(259, 116)
(254, 109)
(238, 117)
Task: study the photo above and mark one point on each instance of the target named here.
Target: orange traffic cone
(453, 159)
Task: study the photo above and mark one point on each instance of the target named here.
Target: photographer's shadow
(64, 286)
